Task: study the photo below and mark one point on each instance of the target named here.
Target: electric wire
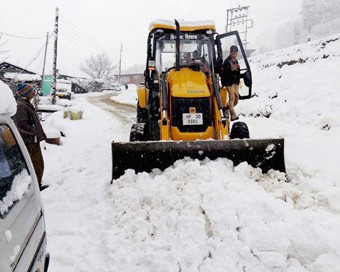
(80, 44)
(29, 63)
(264, 22)
(85, 36)
(85, 40)
(78, 41)
(71, 39)
(82, 35)
(85, 33)
(21, 37)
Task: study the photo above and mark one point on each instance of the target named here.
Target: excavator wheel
(138, 133)
(239, 130)
(142, 114)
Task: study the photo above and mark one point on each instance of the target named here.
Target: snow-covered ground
(207, 216)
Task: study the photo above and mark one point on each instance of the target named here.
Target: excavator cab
(180, 106)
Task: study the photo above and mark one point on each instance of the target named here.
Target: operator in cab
(231, 79)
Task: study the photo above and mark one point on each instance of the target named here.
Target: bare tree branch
(99, 66)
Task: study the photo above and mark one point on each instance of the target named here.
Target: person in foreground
(30, 128)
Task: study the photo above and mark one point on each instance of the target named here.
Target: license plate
(190, 119)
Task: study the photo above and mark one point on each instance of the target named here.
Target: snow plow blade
(144, 156)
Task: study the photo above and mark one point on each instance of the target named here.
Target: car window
(14, 176)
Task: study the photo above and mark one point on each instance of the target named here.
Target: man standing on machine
(231, 79)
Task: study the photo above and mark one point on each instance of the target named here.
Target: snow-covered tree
(100, 66)
(311, 13)
(296, 33)
(319, 12)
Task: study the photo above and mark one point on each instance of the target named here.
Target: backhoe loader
(180, 111)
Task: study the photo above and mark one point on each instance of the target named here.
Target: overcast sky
(90, 27)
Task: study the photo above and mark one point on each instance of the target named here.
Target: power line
(30, 62)
(85, 35)
(84, 38)
(82, 45)
(277, 11)
(21, 37)
(272, 20)
(94, 46)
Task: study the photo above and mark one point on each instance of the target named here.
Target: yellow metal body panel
(165, 129)
(222, 131)
(188, 83)
(143, 94)
(224, 96)
(176, 135)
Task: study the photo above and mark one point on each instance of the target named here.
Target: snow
(51, 133)
(209, 215)
(127, 96)
(8, 104)
(8, 236)
(19, 187)
(22, 77)
(15, 253)
(182, 23)
(64, 85)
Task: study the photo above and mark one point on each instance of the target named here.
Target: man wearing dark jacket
(30, 128)
(231, 79)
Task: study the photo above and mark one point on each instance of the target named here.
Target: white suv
(22, 222)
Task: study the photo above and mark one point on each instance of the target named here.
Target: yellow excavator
(180, 111)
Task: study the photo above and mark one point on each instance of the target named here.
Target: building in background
(12, 74)
(135, 78)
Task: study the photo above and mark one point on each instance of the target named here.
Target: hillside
(300, 84)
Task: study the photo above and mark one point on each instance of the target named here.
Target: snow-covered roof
(184, 26)
(22, 77)
(64, 85)
(8, 104)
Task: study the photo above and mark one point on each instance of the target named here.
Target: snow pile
(127, 96)
(22, 77)
(8, 104)
(8, 236)
(208, 216)
(16, 251)
(51, 133)
(19, 187)
(298, 84)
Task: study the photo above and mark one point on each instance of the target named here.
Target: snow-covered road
(195, 216)
(126, 114)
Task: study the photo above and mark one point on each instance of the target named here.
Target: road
(125, 114)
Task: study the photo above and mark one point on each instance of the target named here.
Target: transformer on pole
(237, 18)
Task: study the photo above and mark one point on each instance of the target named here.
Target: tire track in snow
(126, 114)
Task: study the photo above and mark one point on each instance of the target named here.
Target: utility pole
(120, 61)
(54, 82)
(239, 17)
(43, 70)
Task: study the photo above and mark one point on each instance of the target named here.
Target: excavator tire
(239, 130)
(142, 114)
(137, 133)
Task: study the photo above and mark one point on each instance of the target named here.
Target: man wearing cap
(30, 128)
(231, 79)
